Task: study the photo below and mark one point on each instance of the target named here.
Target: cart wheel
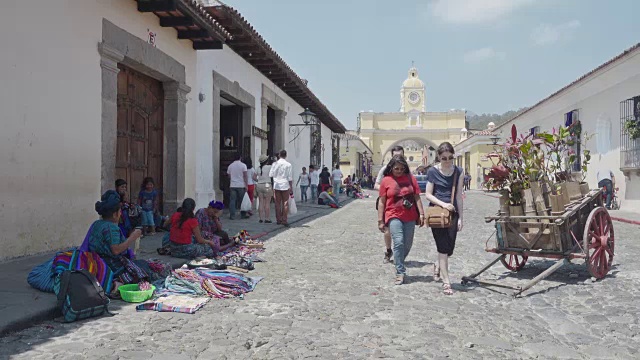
(599, 242)
(513, 262)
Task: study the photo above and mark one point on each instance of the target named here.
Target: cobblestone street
(327, 294)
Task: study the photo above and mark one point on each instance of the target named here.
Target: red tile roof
(249, 44)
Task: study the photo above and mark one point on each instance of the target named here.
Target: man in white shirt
(282, 175)
(315, 181)
(607, 180)
(336, 175)
(237, 172)
(388, 255)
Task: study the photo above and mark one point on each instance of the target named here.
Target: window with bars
(572, 122)
(629, 147)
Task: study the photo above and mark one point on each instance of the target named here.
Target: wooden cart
(583, 231)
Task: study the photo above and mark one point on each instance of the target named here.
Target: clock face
(414, 97)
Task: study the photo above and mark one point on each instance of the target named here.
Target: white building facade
(602, 100)
(105, 90)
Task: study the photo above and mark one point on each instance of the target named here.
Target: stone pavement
(21, 305)
(326, 294)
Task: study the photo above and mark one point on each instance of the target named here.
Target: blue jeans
(147, 218)
(314, 192)
(609, 190)
(235, 199)
(402, 236)
(303, 192)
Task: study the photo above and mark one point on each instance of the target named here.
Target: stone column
(215, 143)
(109, 59)
(264, 123)
(175, 113)
(248, 121)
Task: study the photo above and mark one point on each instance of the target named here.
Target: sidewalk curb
(33, 319)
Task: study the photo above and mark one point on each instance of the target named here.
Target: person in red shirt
(399, 210)
(186, 241)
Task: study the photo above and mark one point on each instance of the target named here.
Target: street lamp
(308, 118)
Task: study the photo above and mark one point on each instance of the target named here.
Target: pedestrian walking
(251, 184)
(265, 189)
(304, 180)
(237, 172)
(388, 255)
(314, 177)
(336, 176)
(399, 209)
(281, 173)
(444, 183)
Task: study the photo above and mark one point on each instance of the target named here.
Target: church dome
(412, 80)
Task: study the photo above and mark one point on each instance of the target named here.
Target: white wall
(233, 67)
(50, 143)
(598, 99)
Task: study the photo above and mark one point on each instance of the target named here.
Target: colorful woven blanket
(90, 261)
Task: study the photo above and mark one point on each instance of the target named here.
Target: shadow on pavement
(26, 314)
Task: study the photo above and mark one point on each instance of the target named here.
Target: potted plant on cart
(584, 166)
(556, 171)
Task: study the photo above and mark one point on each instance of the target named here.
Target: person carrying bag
(444, 215)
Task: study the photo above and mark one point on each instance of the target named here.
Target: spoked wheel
(599, 242)
(513, 262)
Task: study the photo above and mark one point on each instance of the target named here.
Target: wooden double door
(139, 152)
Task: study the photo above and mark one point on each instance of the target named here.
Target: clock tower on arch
(412, 93)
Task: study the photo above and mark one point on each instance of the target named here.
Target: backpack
(81, 296)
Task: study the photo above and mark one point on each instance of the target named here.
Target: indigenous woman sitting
(106, 239)
(211, 227)
(186, 241)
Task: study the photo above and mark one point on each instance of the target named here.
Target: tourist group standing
(400, 210)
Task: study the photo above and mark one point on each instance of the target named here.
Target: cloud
(547, 34)
(474, 11)
(484, 54)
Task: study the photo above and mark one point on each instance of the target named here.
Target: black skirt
(446, 237)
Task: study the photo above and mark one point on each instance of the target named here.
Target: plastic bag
(257, 201)
(246, 203)
(292, 206)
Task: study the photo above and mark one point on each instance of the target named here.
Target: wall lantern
(495, 140)
(308, 118)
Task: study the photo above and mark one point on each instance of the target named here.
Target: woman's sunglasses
(447, 158)
(398, 168)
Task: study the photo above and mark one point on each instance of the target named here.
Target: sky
(485, 56)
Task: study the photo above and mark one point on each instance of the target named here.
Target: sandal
(399, 279)
(446, 289)
(436, 273)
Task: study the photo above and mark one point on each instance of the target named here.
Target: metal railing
(629, 147)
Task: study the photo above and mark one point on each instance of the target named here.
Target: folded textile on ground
(175, 303)
(212, 283)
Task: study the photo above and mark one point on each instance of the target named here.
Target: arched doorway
(416, 150)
